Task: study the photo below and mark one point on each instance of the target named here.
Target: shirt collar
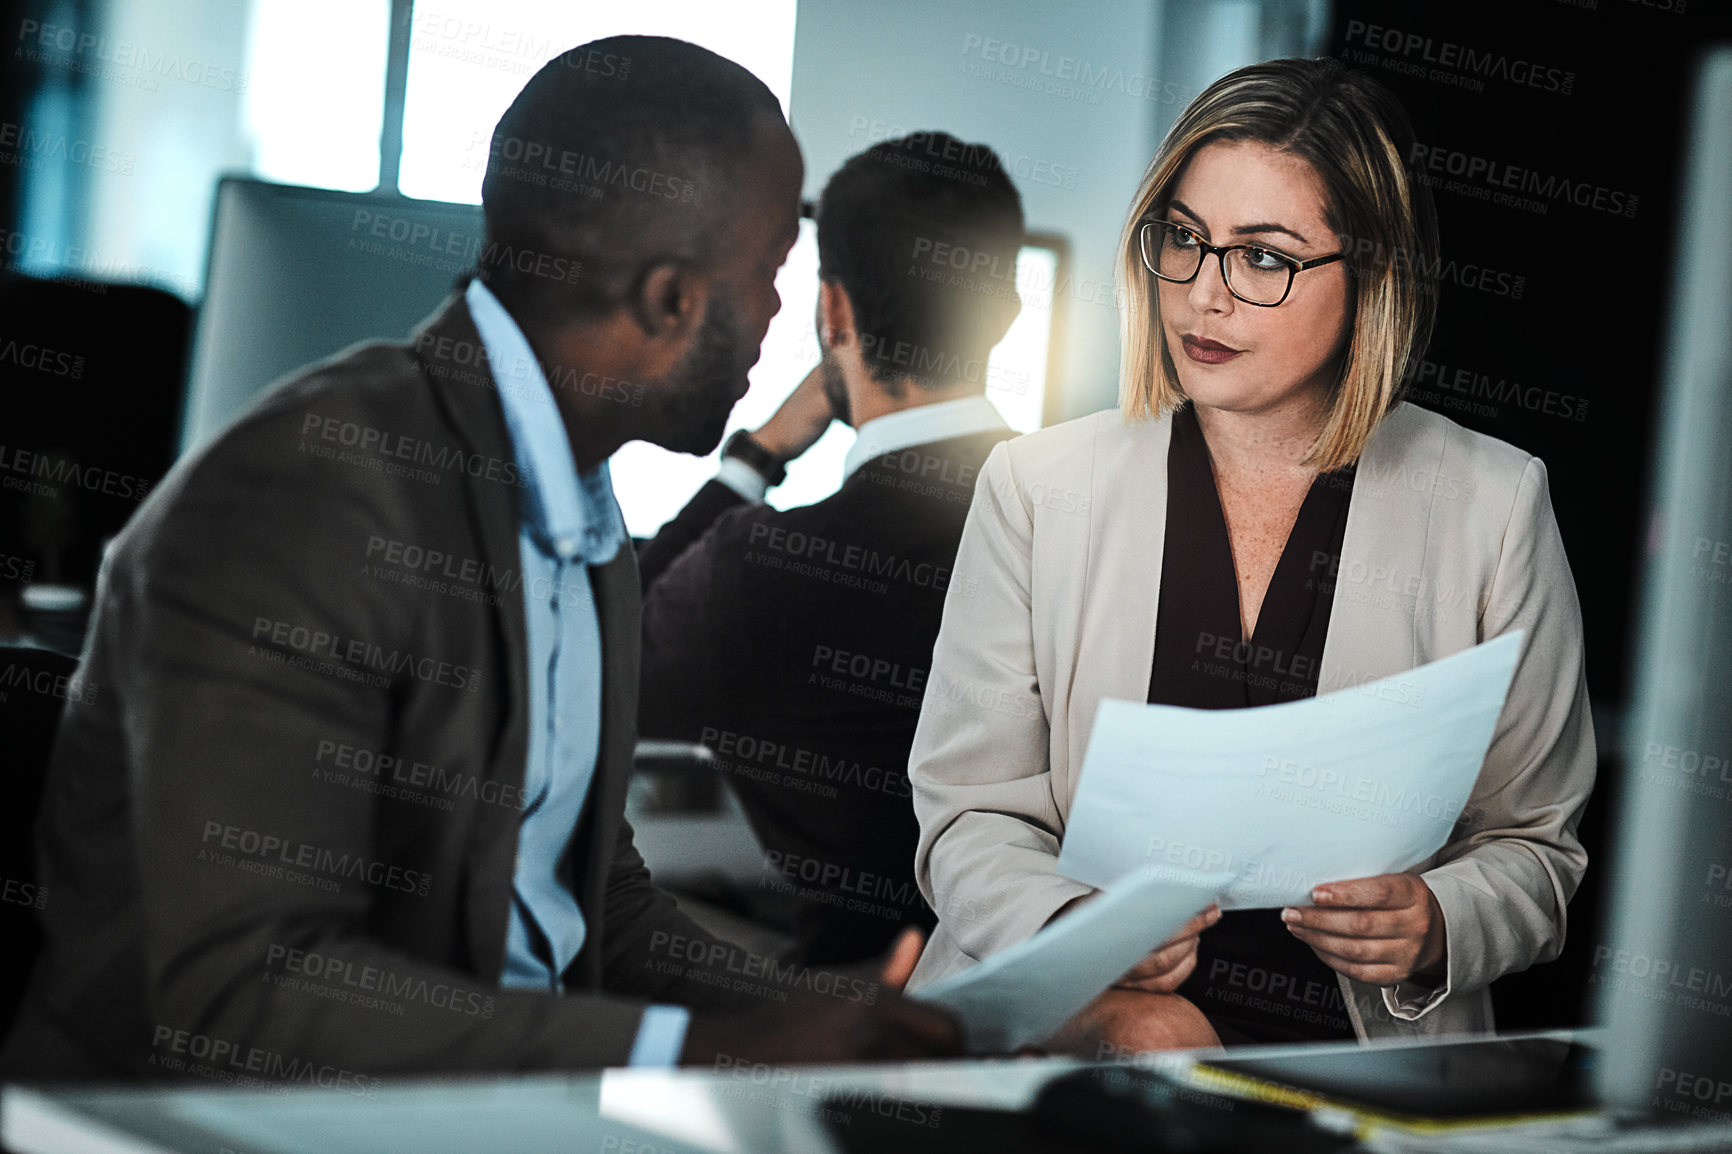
(921, 425)
(571, 515)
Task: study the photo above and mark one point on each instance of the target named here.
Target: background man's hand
(799, 422)
(904, 955)
(1166, 969)
(814, 1028)
(1382, 930)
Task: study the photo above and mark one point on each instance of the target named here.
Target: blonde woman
(1264, 520)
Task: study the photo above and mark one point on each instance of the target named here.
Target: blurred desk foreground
(744, 1109)
(749, 1111)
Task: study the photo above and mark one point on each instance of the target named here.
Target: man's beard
(701, 387)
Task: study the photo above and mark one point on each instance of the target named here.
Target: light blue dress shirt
(567, 523)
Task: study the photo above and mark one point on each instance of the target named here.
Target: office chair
(34, 684)
(93, 392)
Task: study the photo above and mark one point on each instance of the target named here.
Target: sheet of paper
(1020, 996)
(1355, 783)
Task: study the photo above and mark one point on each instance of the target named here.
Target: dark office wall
(1551, 134)
(13, 86)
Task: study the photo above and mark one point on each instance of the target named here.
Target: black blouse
(1254, 981)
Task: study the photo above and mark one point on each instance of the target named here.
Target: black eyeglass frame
(1219, 252)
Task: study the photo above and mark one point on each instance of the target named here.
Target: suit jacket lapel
(1378, 624)
(455, 363)
(619, 611)
(1128, 499)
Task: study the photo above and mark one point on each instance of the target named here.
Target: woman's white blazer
(1450, 540)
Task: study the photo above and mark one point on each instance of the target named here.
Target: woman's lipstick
(1207, 352)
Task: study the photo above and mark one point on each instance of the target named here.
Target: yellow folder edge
(1368, 1121)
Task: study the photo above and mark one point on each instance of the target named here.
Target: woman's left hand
(1380, 930)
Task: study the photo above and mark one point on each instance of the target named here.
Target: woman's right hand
(1165, 970)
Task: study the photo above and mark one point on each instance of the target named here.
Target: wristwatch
(743, 447)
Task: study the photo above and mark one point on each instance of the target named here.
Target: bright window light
(653, 484)
(1016, 370)
(316, 90)
(468, 59)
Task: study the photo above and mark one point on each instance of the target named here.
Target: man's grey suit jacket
(281, 821)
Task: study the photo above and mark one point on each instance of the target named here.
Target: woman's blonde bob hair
(1355, 135)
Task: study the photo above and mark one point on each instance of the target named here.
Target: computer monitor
(1664, 971)
(297, 274)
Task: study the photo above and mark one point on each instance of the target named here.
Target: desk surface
(751, 1110)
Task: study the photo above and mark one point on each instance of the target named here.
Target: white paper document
(1359, 782)
(1020, 996)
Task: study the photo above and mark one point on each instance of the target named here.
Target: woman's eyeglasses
(1256, 275)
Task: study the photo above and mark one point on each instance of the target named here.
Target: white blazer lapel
(1379, 622)
(1128, 507)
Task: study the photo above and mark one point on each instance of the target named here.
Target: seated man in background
(323, 819)
(795, 643)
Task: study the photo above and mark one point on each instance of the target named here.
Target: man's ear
(669, 302)
(836, 315)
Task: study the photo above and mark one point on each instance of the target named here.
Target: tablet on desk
(1425, 1087)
